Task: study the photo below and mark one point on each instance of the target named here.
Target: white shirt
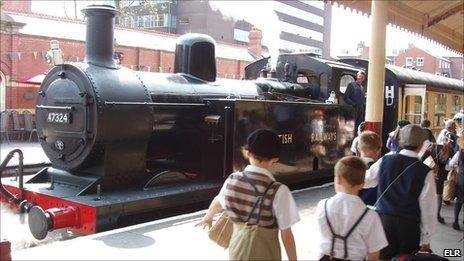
(283, 207)
(454, 160)
(367, 160)
(354, 146)
(427, 198)
(442, 137)
(343, 211)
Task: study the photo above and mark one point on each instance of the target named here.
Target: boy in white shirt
(347, 228)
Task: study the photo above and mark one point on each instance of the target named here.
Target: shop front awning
(440, 21)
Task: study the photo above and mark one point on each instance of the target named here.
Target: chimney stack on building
(254, 46)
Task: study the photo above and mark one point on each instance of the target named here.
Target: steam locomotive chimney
(99, 45)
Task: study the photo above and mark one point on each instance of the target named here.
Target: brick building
(425, 61)
(25, 38)
(417, 59)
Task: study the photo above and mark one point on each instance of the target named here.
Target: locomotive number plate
(59, 117)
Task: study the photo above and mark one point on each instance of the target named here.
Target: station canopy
(440, 21)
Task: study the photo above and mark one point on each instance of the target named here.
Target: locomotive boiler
(125, 143)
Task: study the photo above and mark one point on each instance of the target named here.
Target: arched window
(344, 81)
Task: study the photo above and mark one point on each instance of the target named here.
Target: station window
(408, 61)
(456, 104)
(440, 109)
(420, 61)
(413, 108)
(426, 111)
(241, 35)
(344, 81)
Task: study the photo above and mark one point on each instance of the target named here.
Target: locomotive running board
(52, 175)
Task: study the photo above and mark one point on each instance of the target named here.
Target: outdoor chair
(29, 125)
(4, 126)
(16, 125)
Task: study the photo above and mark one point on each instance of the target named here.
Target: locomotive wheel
(39, 222)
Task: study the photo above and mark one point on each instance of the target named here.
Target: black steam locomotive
(123, 143)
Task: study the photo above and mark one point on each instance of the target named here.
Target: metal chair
(4, 120)
(29, 125)
(16, 125)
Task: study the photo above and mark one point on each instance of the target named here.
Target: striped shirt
(284, 210)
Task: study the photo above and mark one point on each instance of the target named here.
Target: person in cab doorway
(354, 96)
(258, 206)
(406, 196)
(347, 228)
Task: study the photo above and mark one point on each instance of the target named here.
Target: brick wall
(430, 61)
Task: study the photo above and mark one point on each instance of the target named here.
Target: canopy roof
(441, 21)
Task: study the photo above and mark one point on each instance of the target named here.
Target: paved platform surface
(33, 153)
(176, 238)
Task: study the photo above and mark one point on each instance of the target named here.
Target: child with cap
(354, 146)
(393, 139)
(240, 194)
(370, 146)
(406, 196)
(346, 227)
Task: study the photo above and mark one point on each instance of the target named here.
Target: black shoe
(456, 226)
(446, 202)
(441, 220)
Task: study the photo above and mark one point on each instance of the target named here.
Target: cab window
(344, 81)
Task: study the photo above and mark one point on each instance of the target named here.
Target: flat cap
(403, 123)
(264, 143)
(412, 135)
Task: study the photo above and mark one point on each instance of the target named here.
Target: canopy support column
(376, 77)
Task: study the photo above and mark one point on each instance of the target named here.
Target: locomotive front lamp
(55, 55)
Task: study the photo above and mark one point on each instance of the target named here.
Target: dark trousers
(360, 110)
(403, 236)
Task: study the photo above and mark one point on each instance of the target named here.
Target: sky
(348, 28)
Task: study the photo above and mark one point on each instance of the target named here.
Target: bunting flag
(35, 55)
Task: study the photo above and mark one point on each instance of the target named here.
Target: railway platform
(176, 238)
(33, 153)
